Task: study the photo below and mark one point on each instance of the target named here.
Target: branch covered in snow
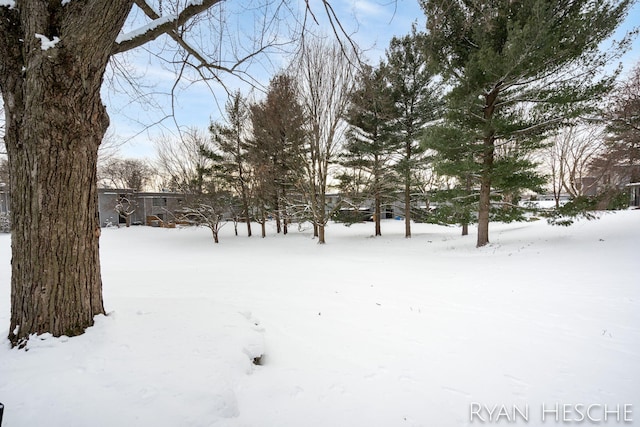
(161, 25)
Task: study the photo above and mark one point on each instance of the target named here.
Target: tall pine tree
(368, 152)
(231, 140)
(416, 96)
(454, 158)
(278, 136)
(517, 69)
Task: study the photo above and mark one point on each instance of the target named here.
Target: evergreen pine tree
(416, 97)
(367, 156)
(278, 136)
(454, 158)
(517, 70)
(231, 140)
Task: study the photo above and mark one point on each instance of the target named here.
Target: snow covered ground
(362, 331)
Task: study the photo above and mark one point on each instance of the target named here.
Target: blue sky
(372, 24)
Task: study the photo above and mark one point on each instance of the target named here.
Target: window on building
(159, 201)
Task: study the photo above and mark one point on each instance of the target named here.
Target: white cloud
(369, 8)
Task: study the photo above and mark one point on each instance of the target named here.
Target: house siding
(161, 205)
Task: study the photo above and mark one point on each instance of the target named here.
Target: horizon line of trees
(403, 128)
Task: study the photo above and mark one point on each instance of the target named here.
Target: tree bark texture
(377, 214)
(55, 121)
(377, 198)
(488, 154)
(465, 225)
(321, 239)
(483, 209)
(248, 221)
(407, 185)
(407, 209)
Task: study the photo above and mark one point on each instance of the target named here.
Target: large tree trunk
(407, 208)
(377, 214)
(407, 186)
(377, 197)
(276, 215)
(55, 122)
(484, 205)
(488, 153)
(55, 282)
(483, 212)
(285, 216)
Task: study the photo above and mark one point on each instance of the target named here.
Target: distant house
(161, 205)
(146, 207)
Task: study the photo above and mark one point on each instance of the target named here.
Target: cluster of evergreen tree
(390, 107)
(464, 104)
(255, 158)
(482, 90)
(271, 158)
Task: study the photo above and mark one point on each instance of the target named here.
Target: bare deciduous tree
(109, 147)
(325, 74)
(208, 215)
(125, 208)
(132, 174)
(568, 159)
(620, 161)
(182, 162)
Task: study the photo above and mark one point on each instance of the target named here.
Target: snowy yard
(359, 332)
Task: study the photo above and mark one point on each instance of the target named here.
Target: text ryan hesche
(556, 412)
